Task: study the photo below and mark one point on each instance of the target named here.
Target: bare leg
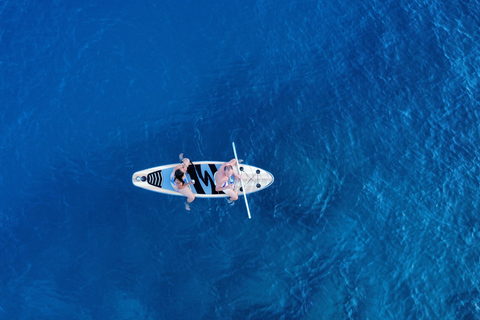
(233, 195)
(190, 196)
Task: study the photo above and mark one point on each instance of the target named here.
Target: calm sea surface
(366, 112)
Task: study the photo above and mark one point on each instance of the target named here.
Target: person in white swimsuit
(222, 176)
(178, 180)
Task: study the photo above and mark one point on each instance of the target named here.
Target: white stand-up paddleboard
(158, 179)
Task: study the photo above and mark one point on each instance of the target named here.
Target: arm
(237, 176)
(186, 161)
(233, 163)
(218, 183)
(184, 165)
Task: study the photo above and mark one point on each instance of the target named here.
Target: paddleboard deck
(158, 179)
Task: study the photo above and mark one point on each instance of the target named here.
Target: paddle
(243, 188)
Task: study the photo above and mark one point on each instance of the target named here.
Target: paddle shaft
(241, 181)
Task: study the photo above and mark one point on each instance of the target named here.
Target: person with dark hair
(179, 181)
(223, 181)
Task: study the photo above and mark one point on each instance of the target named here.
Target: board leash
(241, 181)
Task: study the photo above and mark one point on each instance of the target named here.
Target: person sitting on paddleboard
(179, 181)
(222, 179)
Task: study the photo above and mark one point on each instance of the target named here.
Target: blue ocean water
(366, 112)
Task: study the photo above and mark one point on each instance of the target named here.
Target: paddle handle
(241, 181)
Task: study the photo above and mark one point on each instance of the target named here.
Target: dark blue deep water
(367, 113)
